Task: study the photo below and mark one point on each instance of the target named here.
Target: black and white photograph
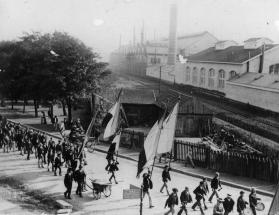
(139, 107)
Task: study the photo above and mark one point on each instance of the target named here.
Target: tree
(50, 67)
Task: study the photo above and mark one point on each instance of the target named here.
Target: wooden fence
(246, 165)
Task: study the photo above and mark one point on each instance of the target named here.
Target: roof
(199, 34)
(232, 54)
(257, 38)
(137, 96)
(258, 80)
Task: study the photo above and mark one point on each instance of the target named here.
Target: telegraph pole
(160, 80)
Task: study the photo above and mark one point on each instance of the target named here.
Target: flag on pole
(149, 150)
(116, 140)
(274, 208)
(87, 134)
(112, 125)
(168, 131)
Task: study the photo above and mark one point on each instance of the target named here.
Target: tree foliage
(49, 67)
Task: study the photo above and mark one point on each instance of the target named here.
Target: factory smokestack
(172, 35)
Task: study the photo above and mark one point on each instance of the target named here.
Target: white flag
(150, 145)
(168, 132)
(116, 140)
(113, 123)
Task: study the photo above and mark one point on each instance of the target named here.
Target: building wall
(180, 73)
(270, 58)
(257, 97)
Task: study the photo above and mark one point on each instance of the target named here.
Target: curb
(195, 175)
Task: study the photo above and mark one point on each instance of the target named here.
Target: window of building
(232, 74)
(202, 77)
(274, 69)
(188, 74)
(195, 75)
(221, 79)
(211, 76)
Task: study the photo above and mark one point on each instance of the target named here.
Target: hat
(241, 192)
(220, 200)
(166, 166)
(175, 190)
(229, 195)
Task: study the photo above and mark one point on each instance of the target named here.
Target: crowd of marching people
(50, 154)
(222, 207)
(53, 156)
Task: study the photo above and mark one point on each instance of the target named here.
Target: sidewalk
(263, 188)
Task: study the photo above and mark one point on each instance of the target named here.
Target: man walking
(68, 182)
(165, 178)
(206, 189)
(253, 200)
(79, 177)
(112, 168)
(199, 192)
(172, 201)
(58, 164)
(215, 184)
(146, 185)
(185, 198)
(228, 204)
(241, 204)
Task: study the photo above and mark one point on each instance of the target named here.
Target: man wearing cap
(241, 204)
(172, 201)
(253, 200)
(165, 178)
(146, 185)
(218, 209)
(215, 184)
(228, 204)
(185, 197)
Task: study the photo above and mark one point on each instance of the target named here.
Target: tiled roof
(256, 38)
(232, 54)
(258, 80)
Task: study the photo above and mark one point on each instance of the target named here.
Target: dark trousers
(253, 209)
(198, 203)
(183, 208)
(68, 191)
(57, 167)
(79, 189)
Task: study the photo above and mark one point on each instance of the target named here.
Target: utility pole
(160, 79)
(141, 198)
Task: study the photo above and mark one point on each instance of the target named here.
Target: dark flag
(141, 162)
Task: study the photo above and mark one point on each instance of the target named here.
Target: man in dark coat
(40, 150)
(79, 178)
(68, 182)
(57, 164)
(199, 192)
(110, 154)
(112, 168)
(241, 204)
(185, 198)
(215, 184)
(146, 186)
(228, 204)
(253, 200)
(165, 178)
(172, 201)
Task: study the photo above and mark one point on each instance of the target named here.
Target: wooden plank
(131, 194)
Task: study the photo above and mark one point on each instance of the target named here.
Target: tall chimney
(172, 35)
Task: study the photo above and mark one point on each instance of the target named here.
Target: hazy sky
(99, 23)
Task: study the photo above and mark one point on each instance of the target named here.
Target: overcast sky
(99, 23)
